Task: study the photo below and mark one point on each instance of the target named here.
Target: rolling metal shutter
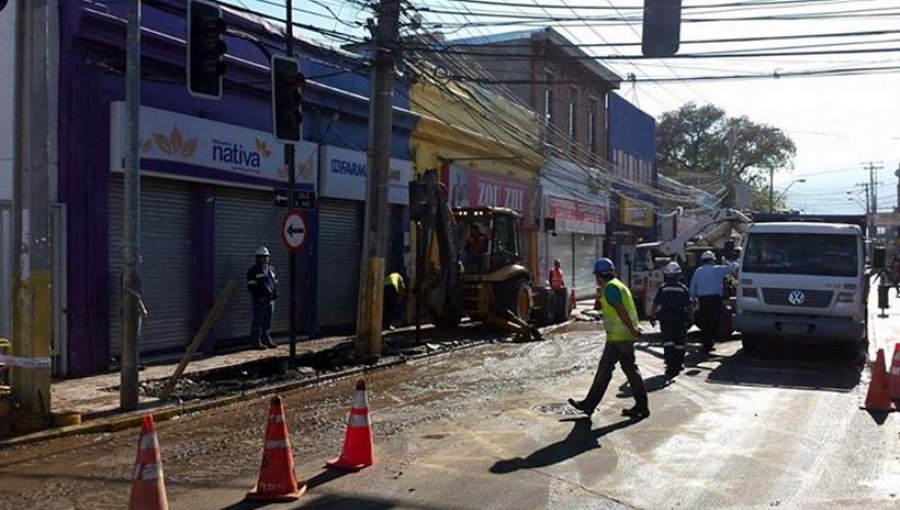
(166, 269)
(559, 247)
(246, 220)
(340, 249)
(587, 250)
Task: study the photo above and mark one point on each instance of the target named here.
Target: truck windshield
(809, 254)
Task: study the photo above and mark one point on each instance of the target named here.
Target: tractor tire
(513, 296)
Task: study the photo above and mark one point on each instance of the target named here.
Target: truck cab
(802, 282)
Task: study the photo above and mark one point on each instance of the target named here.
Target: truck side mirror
(878, 258)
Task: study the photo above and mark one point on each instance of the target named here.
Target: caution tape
(22, 362)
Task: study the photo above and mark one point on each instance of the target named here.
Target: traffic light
(205, 49)
(286, 83)
(662, 28)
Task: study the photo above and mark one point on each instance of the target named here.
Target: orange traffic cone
(277, 481)
(894, 374)
(879, 395)
(357, 452)
(148, 490)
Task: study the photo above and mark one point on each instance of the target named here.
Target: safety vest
(556, 278)
(616, 330)
(394, 280)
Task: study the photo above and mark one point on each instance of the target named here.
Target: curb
(133, 419)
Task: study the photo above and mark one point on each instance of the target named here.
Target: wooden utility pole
(131, 217)
(375, 234)
(33, 254)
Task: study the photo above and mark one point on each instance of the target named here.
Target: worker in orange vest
(558, 287)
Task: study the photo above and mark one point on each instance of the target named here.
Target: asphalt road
(488, 428)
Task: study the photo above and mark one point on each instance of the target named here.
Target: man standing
(263, 286)
(671, 306)
(393, 290)
(706, 288)
(620, 319)
(558, 286)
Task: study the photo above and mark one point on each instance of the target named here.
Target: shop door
(246, 220)
(340, 250)
(588, 248)
(165, 238)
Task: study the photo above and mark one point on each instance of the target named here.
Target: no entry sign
(293, 230)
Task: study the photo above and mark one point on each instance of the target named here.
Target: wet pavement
(488, 428)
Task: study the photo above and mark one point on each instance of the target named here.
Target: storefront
(575, 215)
(341, 212)
(469, 187)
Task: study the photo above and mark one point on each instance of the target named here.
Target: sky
(837, 122)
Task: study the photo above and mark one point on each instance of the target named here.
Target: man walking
(706, 289)
(394, 288)
(671, 307)
(263, 286)
(620, 319)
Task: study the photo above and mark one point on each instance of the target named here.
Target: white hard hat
(708, 255)
(672, 269)
(262, 251)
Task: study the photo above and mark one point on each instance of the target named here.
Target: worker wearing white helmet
(706, 292)
(671, 306)
(262, 283)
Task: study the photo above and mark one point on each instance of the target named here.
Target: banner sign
(475, 188)
(343, 174)
(169, 136)
(575, 216)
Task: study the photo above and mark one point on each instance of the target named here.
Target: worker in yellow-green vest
(620, 320)
(394, 288)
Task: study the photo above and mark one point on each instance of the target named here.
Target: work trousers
(710, 319)
(673, 332)
(389, 310)
(623, 354)
(560, 305)
(262, 320)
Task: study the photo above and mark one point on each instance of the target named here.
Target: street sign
(293, 230)
(304, 200)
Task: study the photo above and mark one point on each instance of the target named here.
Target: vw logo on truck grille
(796, 297)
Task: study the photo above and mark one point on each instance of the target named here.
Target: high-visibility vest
(556, 278)
(394, 280)
(616, 330)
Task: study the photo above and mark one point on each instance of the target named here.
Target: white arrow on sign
(293, 230)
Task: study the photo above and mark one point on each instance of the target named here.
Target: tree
(703, 144)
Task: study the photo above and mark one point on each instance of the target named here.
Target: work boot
(270, 344)
(580, 406)
(259, 346)
(671, 372)
(636, 413)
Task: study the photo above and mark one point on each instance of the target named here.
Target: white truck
(802, 282)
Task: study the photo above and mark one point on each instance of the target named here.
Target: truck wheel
(750, 344)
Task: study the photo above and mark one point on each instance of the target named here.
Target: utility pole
(873, 167)
(289, 155)
(32, 314)
(771, 190)
(131, 214)
(371, 282)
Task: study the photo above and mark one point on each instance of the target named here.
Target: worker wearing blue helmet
(620, 319)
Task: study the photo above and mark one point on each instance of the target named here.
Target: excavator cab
(490, 239)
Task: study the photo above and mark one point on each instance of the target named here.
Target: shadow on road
(795, 367)
(326, 476)
(580, 439)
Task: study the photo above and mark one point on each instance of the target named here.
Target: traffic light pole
(289, 155)
(131, 289)
(371, 285)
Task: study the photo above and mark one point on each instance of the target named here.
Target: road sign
(293, 230)
(304, 200)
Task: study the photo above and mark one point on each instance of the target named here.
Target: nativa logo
(340, 166)
(237, 154)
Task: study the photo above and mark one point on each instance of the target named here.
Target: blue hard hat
(604, 266)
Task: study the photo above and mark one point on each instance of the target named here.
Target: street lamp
(782, 195)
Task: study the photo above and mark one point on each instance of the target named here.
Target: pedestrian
(558, 287)
(620, 319)
(706, 292)
(394, 288)
(671, 306)
(897, 273)
(263, 286)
